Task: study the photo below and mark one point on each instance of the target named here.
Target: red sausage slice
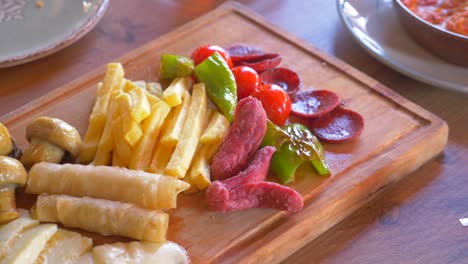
(265, 195)
(314, 103)
(255, 195)
(262, 63)
(243, 53)
(249, 190)
(242, 141)
(340, 125)
(256, 171)
(218, 193)
(285, 78)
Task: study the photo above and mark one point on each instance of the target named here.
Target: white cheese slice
(140, 252)
(29, 245)
(11, 231)
(65, 247)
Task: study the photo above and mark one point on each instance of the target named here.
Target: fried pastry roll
(103, 216)
(147, 190)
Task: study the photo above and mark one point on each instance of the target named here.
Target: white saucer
(375, 25)
(32, 29)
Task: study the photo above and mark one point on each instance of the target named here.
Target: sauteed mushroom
(50, 139)
(12, 175)
(8, 146)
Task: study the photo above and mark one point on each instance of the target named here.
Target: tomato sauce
(449, 14)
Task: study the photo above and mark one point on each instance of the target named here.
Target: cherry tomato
(203, 52)
(276, 103)
(247, 81)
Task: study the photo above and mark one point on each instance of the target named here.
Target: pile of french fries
(136, 125)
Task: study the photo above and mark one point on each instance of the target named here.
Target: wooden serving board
(399, 137)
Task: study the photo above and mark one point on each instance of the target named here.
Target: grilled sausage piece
(242, 141)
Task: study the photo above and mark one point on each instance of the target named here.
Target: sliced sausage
(259, 195)
(256, 171)
(283, 77)
(262, 63)
(218, 192)
(241, 52)
(242, 141)
(314, 103)
(249, 190)
(340, 125)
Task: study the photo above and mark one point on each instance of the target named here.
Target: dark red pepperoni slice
(314, 103)
(340, 125)
(262, 63)
(285, 78)
(243, 53)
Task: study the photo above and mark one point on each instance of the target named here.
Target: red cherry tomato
(203, 52)
(276, 103)
(247, 81)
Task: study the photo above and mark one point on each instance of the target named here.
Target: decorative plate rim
(71, 38)
(412, 73)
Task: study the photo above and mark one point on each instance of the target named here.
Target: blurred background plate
(375, 25)
(31, 29)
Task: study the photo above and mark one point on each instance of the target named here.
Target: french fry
(187, 145)
(97, 119)
(131, 129)
(208, 115)
(155, 89)
(176, 123)
(193, 188)
(162, 153)
(140, 83)
(122, 150)
(98, 91)
(116, 160)
(104, 149)
(161, 157)
(174, 93)
(199, 172)
(141, 108)
(216, 129)
(142, 154)
(151, 98)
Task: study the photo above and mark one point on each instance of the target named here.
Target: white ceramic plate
(29, 32)
(375, 25)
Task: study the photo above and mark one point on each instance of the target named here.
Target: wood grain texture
(414, 221)
(385, 152)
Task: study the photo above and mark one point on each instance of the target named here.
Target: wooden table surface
(414, 221)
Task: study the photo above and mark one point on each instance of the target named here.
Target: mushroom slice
(6, 144)
(12, 174)
(50, 139)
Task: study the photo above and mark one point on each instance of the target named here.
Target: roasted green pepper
(295, 145)
(173, 66)
(220, 83)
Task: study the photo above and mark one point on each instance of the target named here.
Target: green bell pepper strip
(308, 146)
(220, 84)
(173, 66)
(285, 162)
(295, 145)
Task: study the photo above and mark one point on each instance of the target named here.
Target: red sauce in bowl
(449, 14)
